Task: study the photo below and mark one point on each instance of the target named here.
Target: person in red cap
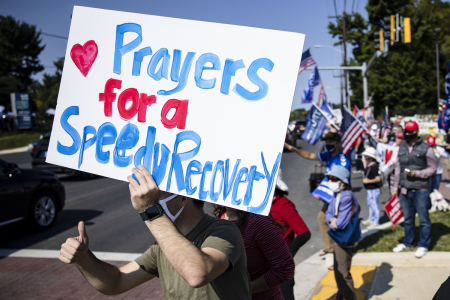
(441, 154)
(416, 164)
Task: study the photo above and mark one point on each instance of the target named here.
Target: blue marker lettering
(270, 177)
(163, 69)
(87, 143)
(194, 168)
(239, 180)
(71, 150)
(177, 158)
(202, 194)
(229, 70)
(200, 67)
(106, 135)
(128, 138)
(121, 49)
(252, 74)
(228, 182)
(253, 175)
(138, 57)
(183, 75)
(145, 152)
(159, 169)
(214, 196)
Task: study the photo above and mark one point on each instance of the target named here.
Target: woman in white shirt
(441, 154)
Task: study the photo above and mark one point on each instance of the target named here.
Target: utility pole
(437, 66)
(345, 62)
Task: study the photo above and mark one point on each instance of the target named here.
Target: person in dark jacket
(415, 165)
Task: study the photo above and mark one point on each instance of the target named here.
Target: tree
(20, 46)
(47, 92)
(406, 77)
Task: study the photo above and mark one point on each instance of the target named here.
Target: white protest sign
(388, 157)
(203, 106)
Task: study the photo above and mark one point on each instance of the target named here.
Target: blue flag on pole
(447, 82)
(315, 123)
(313, 80)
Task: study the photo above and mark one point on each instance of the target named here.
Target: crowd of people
(233, 254)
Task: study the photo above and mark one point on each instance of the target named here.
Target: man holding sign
(333, 156)
(196, 256)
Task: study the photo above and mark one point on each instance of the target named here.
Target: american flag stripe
(307, 61)
(354, 133)
(351, 130)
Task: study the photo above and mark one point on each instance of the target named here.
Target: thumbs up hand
(75, 249)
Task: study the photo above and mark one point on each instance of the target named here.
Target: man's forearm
(101, 275)
(306, 154)
(259, 285)
(190, 262)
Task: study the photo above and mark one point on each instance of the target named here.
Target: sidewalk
(33, 277)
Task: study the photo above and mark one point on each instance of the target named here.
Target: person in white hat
(371, 181)
(294, 231)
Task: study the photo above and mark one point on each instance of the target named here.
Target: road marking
(39, 253)
(362, 278)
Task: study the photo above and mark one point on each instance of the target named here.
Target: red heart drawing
(84, 56)
(388, 155)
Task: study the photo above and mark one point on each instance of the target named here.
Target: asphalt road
(114, 226)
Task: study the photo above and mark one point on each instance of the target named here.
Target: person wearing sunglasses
(415, 165)
(342, 209)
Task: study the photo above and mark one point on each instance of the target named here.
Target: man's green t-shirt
(210, 232)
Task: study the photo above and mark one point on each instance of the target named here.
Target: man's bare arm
(104, 277)
(302, 153)
(197, 267)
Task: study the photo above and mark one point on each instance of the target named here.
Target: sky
(308, 17)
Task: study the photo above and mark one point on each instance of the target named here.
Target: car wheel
(43, 211)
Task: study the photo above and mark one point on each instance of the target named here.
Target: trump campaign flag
(315, 123)
(322, 97)
(447, 82)
(313, 80)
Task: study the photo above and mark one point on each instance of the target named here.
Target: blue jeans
(435, 181)
(416, 201)
(372, 203)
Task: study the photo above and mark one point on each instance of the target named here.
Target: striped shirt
(267, 254)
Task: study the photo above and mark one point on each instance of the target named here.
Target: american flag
(351, 129)
(307, 61)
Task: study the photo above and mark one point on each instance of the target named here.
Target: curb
(15, 150)
(310, 272)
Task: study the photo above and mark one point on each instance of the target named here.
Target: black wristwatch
(152, 212)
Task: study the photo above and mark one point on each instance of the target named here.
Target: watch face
(152, 212)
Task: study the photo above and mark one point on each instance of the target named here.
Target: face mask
(373, 133)
(166, 209)
(335, 187)
(410, 137)
(330, 148)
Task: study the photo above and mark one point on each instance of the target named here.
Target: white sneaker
(421, 252)
(447, 185)
(366, 222)
(400, 248)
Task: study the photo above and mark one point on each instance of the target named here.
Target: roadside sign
(20, 104)
(393, 210)
(203, 106)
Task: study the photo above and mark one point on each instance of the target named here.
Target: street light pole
(437, 66)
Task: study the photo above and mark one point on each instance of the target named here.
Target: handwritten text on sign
(202, 106)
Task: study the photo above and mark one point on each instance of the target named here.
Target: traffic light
(407, 30)
(392, 23)
(387, 27)
(379, 40)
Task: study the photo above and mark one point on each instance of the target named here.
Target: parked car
(38, 151)
(34, 196)
(299, 128)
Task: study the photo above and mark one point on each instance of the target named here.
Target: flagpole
(325, 115)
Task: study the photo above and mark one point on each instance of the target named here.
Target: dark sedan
(34, 196)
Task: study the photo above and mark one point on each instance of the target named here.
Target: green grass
(20, 140)
(385, 240)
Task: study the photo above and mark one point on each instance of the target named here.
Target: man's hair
(198, 204)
